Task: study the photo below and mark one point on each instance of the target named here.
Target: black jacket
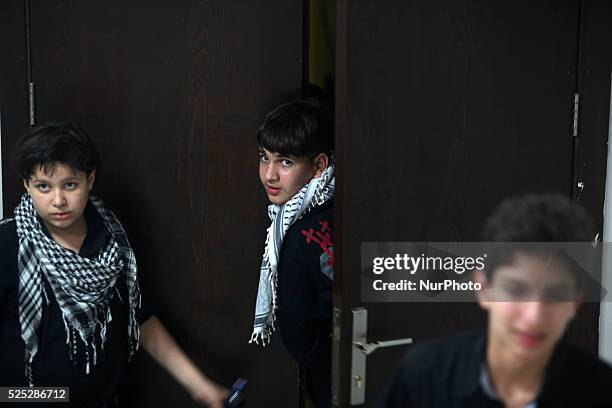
(305, 278)
(446, 373)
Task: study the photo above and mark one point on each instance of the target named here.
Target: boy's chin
(60, 224)
(276, 200)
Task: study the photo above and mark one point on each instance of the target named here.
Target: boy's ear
(482, 295)
(90, 179)
(578, 302)
(320, 164)
(26, 185)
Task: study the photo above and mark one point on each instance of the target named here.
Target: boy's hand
(162, 347)
(210, 395)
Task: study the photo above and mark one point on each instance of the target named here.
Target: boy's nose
(534, 312)
(271, 172)
(59, 199)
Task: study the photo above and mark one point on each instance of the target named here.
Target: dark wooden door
(444, 108)
(13, 92)
(173, 92)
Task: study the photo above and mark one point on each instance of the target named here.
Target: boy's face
(283, 176)
(529, 303)
(60, 196)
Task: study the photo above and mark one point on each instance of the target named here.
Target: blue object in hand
(236, 396)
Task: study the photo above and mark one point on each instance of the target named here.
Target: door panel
(13, 93)
(173, 92)
(444, 109)
(592, 142)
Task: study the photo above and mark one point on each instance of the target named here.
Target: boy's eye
(558, 295)
(286, 163)
(42, 186)
(263, 158)
(71, 185)
(516, 292)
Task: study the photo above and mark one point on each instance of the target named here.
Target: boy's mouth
(272, 190)
(60, 216)
(529, 340)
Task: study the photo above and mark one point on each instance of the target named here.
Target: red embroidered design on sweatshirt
(324, 237)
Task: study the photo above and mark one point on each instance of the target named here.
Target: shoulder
(442, 354)
(576, 375)
(9, 244)
(584, 367)
(7, 225)
(432, 369)
(8, 234)
(310, 225)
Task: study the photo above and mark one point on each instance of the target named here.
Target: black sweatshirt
(305, 278)
(52, 365)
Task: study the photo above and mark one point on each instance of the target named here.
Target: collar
(472, 363)
(97, 233)
(487, 387)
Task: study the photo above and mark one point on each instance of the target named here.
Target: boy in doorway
(530, 294)
(295, 288)
(70, 310)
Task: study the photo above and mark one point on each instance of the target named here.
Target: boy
(530, 295)
(69, 297)
(295, 288)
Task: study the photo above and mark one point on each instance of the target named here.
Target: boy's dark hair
(55, 143)
(301, 128)
(536, 219)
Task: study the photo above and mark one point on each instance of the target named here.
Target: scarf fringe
(264, 335)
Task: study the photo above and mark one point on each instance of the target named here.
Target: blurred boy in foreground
(530, 296)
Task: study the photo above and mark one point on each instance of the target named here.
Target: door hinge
(31, 102)
(576, 107)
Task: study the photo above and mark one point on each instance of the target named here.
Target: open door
(443, 109)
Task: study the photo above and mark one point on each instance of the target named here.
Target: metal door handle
(362, 349)
(369, 348)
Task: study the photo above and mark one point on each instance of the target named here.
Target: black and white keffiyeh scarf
(83, 287)
(315, 193)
